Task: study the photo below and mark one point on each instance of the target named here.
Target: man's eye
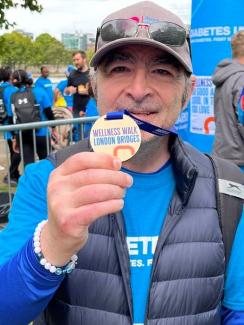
(119, 69)
(161, 72)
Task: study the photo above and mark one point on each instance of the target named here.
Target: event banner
(213, 24)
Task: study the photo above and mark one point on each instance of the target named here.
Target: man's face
(45, 72)
(78, 61)
(148, 82)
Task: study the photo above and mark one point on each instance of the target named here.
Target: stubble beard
(149, 150)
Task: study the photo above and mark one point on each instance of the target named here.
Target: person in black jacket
(42, 105)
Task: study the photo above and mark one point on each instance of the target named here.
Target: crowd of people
(70, 98)
(94, 240)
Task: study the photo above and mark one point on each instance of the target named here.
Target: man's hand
(84, 188)
(82, 113)
(15, 145)
(70, 90)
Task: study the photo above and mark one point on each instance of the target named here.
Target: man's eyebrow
(115, 56)
(166, 59)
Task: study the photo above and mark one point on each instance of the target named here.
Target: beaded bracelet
(68, 268)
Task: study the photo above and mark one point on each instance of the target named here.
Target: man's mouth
(141, 111)
(141, 114)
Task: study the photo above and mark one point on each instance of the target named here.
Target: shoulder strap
(57, 158)
(230, 198)
(31, 97)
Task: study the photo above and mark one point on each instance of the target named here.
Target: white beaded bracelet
(68, 268)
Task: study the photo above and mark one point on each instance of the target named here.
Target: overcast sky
(60, 16)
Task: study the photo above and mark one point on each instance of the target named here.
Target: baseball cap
(166, 31)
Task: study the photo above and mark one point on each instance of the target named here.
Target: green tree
(8, 4)
(48, 50)
(16, 49)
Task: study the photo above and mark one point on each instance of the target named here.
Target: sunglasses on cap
(163, 32)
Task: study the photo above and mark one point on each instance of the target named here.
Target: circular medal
(118, 137)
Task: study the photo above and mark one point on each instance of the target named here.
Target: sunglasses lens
(120, 28)
(168, 33)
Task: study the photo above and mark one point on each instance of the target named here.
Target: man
(229, 144)
(78, 85)
(78, 82)
(229, 81)
(45, 83)
(160, 261)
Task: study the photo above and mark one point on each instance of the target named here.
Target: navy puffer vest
(188, 267)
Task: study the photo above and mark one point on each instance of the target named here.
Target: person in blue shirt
(60, 89)
(42, 136)
(159, 261)
(45, 83)
(9, 89)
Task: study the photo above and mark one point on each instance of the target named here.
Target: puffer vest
(188, 267)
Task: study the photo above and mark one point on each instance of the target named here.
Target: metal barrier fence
(65, 129)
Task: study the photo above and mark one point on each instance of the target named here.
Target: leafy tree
(16, 49)
(20, 51)
(48, 50)
(8, 4)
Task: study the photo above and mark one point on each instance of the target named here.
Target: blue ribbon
(145, 126)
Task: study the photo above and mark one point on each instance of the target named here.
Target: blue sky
(81, 15)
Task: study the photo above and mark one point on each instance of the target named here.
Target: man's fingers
(91, 194)
(88, 160)
(87, 214)
(95, 176)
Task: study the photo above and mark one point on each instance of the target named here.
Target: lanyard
(145, 126)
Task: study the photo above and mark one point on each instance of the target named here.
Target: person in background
(229, 144)
(229, 81)
(146, 231)
(45, 83)
(22, 82)
(59, 91)
(78, 84)
(8, 90)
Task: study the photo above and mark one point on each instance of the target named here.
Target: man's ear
(191, 84)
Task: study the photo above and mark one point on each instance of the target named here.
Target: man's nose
(139, 87)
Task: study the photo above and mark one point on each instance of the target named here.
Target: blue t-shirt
(146, 205)
(9, 89)
(91, 110)
(41, 99)
(68, 98)
(46, 84)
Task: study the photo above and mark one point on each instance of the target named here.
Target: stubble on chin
(151, 147)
